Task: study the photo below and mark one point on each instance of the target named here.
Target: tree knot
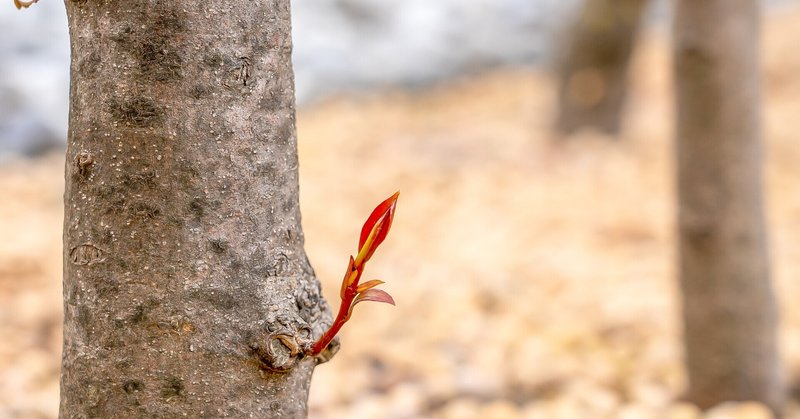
(282, 343)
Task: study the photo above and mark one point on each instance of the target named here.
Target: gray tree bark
(729, 310)
(187, 292)
(593, 65)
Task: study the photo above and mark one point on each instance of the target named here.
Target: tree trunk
(729, 311)
(187, 291)
(593, 66)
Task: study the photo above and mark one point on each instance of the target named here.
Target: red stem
(341, 317)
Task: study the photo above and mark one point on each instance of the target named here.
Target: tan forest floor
(533, 278)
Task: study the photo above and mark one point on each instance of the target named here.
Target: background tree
(593, 65)
(187, 291)
(728, 304)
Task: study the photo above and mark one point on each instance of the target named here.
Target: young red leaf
(373, 294)
(369, 284)
(349, 276)
(374, 231)
(376, 295)
(387, 206)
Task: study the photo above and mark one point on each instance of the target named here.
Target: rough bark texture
(729, 309)
(593, 66)
(185, 281)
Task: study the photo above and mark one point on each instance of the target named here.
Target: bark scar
(86, 254)
(84, 162)
(281, 344)
(239, 77)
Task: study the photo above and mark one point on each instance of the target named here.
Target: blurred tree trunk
(593, 65)
(186, 285)
(729, 310)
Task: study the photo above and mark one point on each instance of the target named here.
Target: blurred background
(533, 256)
